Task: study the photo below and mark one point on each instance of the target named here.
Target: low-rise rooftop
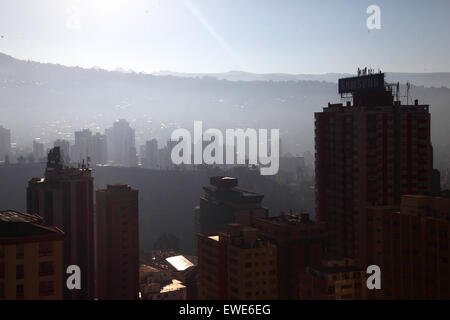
(15, 225)
(180, 263)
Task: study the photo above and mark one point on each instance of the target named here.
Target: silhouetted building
(333, 280)
(31, 258)
(64, 147)
(121, 144)
(38, 151)
(5, 143)
(151, 160)
(89, 148)
(100, 149)
(82, 147)
(292, 169)
(368, 153)
(236, 265)
(411, 243)
(224, 203)
(117, 238)
(300, 242)
(64, 198)
(436, 183)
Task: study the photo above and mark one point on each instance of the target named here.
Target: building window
(46, 288)
(46, 268)
(20, 273)
(19, 291)
(19, 251)
(45, 249)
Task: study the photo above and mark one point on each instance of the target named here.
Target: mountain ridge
(426, 79)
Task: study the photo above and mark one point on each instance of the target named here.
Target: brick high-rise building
(300, 243)
(411, 244)
(121, 144)
(212, 274)
(225, 203)
(117, 238)
(64, 198)
(333, 280)
(367, 153)
(236, 265)
(90, 148)
(31, 258)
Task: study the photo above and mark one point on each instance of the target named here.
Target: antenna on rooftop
(408, 87)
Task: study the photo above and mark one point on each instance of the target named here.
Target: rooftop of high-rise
(292, 219)
(226, 188)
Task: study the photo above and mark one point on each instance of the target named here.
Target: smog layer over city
(224, 150)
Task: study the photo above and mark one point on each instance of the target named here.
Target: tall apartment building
(64, 147)
(38, 150)
(5, 143)
(367, 153)
(300, 243)
(31, 258)
(333, 280)
(224, 203)
(411, 244)
(121, 144)
(64, 198)
(236, 265)
(117, 238)
(150, 156)
(89, 147)
(100, 152)
(212, 274)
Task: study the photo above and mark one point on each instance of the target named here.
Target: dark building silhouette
(411, 244)
(236, 264)
(224, 203)
(367, 153)
(117, 238)
(64, 198)
(436, 183)
(300, 242)
(5, 143)
(340, 279)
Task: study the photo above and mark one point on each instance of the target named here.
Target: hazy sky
(292, 36)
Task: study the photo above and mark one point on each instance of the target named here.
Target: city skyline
(220, 150)
(243, 252)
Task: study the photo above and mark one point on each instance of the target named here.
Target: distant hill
(433, 79)
(51, 101)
